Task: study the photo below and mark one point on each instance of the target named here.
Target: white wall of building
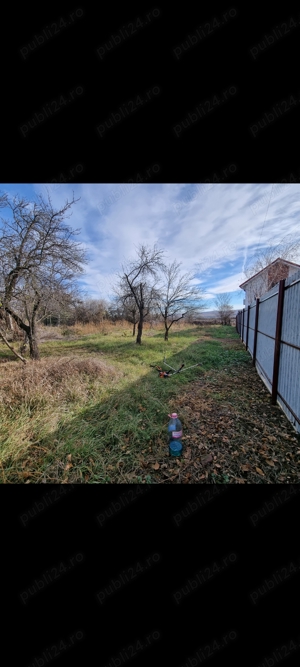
(256, 287)
(259, 285)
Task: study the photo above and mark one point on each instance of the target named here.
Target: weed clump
(50, 380)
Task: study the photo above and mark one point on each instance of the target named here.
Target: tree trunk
(133, 333)
(140, 330)
(33, 346)
(18, 321)
(24, 344)
(29, 331)
(9, 322)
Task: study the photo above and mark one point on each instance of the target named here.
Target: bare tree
(287, 248)
(138, 281)
(132, 313)
(224, 307)
(38, 256)
(127, 305)
(177, 297)
(115, 311)
(58, 301)
(90, 310)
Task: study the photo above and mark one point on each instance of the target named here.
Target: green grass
(106, 427)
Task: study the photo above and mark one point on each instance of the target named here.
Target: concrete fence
(270, 329)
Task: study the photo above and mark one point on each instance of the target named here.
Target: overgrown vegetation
(93, 411)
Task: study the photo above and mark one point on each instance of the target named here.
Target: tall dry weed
(50, 380)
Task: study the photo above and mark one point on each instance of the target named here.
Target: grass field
(93, 411)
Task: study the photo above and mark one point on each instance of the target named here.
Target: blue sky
(211, 228)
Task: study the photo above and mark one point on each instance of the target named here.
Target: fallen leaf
(206, 459)
(270, 463)
(187, 453)
(68, 466)
(69, 457)
(156, 466)
(260, 472)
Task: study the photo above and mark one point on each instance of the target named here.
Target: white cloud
(229, 284)
(212, 235)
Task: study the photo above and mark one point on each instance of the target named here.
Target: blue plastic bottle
(175, 435)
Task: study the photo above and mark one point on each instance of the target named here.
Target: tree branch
(11, 348)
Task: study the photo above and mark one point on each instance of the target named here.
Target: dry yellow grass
(50, 379)
(105, 327)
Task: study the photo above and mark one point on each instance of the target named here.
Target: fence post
(255, 331)
(247, 327)
(277, 341)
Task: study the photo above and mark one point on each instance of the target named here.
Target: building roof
(266, 267)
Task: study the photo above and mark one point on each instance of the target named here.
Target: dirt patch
(45, 336)
(232, 434)
(250, 441)
(226, 339)
(43, 339)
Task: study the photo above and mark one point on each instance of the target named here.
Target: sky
(212, 229)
